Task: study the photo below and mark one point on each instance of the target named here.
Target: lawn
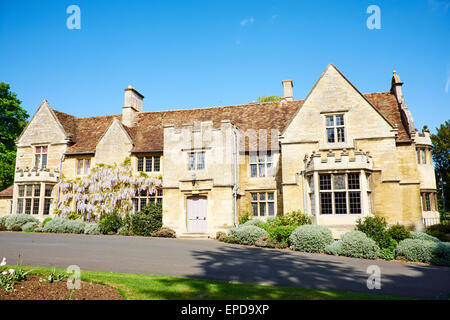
(151, 287)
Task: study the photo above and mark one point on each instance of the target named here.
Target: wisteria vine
(105, 189)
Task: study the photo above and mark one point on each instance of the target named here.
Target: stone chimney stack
(287, 90)
(133, 105)
(396, 88)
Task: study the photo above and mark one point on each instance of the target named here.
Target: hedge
(247, 234)
(356, 244)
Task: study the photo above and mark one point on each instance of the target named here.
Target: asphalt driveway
(209, 259)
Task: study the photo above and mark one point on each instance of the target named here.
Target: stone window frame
(148, 163)
(335, 127)
(142, 198)
(28, 203)
(260, 159)
(428, 200)
(261, 198)
(196, 160)
(331, 193)
(40, 155)
(422, 154)
(85, 166)
(48, 198)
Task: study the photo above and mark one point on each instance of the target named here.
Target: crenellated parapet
(36, 175)
(338, 160)
(423, 138)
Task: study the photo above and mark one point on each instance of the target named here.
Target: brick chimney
(133, 105)
(287, 90)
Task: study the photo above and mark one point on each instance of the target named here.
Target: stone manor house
(337, 155)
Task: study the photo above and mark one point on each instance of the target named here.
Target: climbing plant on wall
(105, 189)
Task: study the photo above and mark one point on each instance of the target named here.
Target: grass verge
(151, 287)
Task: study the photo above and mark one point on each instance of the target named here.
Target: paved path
(209, 259)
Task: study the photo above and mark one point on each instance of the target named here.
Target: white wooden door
(196, 214)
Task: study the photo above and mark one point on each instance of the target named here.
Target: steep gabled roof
(8, 192)
(148, 132)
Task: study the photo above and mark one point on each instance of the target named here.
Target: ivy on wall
(105, 189)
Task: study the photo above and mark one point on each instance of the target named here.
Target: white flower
(4, 272)
(11, 271)
(3, 262)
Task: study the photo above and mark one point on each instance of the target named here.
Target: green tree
(13, 120)
(441, 159)
(263, 99)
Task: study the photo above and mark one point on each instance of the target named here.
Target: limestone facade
(338, 155)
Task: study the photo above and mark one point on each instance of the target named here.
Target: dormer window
(335, 128)
(40, 157)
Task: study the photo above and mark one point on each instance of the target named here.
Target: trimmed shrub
(18, 220)
(444, 227)
(61, 225)
(45, 221)
(3, 220)
(147, 221)
(280, 233)
(110, 223)
(165, 232)
(438, 234)
(29, 226)
(91, 228)
(356, 244)
(398, 232)
(334, 248)
(253, 222)
(375, 228)
(298, 218)
(418, 250)
(220, 235)
(229, 239)
(423, 236)
(310, 238)
(247, 234)
(265, 242)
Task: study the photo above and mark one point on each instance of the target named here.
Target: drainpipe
(304, 194)
(235, 186)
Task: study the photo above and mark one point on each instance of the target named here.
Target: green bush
(3, 220)
(298, 218)
(125, 229)
(247, 234)
(45, 221)
(147, 221)
(398, 232)
(61, 225)
(310, 238)
(422, 236)
(375, 228)
(29, 227)
(220, 235)
(443, 227)
(244, 218)
(16, 221)
(358, 245)
(280, 233)
(334, 248)
(74, 216)
(424, 251)
(438, 234)
(92, 228)
(165, 232)
(252, 222)
(110, 223)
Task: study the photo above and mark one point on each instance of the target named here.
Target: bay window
(340, 193)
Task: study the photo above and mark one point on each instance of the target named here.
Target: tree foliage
(441, 158)
(13, 120)
(263, 99)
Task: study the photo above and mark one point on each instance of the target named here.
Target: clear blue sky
(186, 54)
